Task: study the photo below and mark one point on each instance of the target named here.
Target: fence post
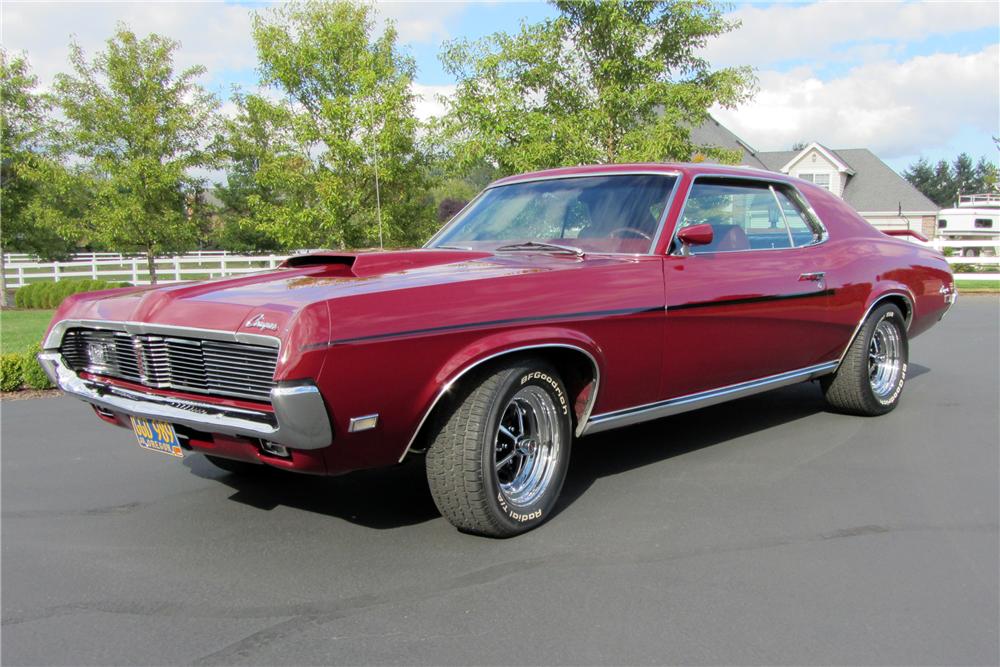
(177, 269)
(20, 276)
(272, 262)
(93, 268)
(55, 270)
(222, 267)
(135, 271)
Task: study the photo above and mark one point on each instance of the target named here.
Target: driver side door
(751, 304)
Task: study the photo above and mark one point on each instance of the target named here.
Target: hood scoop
(366, 264)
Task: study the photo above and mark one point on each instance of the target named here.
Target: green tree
(259, 155)
(33, 186)
(603, 82)
(944, 182)
(142, 126)
(342, 150)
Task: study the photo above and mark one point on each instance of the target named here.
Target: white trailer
(976, 217)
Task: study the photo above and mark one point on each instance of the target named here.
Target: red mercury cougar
(555, 305)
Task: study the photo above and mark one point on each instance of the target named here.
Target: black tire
(242, 468)
(474, 467)
(855, 388)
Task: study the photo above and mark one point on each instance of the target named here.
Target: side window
(749, 215)
(803, 230)
(743, 214)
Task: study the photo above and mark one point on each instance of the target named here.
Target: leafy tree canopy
(142, 127)
(304, 168)
(943, 182)
(604, 82)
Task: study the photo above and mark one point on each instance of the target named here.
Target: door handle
(816, 277)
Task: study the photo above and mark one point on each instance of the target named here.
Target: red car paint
(388, 333)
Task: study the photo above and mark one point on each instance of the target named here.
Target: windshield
(619, 213)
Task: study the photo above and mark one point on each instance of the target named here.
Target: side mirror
(695, 235)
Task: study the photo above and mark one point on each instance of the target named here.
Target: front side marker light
(365, 423)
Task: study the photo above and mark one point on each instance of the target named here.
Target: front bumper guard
(299, 420)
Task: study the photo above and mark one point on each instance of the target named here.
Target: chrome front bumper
(299, 420)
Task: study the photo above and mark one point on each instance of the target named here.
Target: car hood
(322, 290)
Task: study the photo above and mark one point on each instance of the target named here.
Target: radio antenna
(378, 197)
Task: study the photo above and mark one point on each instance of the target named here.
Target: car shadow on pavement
(383, 498)
(398, 496)
(621, 450)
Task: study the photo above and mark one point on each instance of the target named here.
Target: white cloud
(420, 22)
(783, 32)
(894, 109)
(427, 105)
(215, 35)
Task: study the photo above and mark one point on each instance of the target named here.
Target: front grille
(221, 368)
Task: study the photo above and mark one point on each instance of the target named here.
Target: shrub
(51, 294)
(31, 371)
(11, 375)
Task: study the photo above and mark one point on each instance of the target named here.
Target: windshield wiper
(451, 247)
(534, 245)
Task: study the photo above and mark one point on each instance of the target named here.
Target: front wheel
(498, 455)
(871, 376)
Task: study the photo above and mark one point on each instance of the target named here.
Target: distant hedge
(22, 370)
(51, 294)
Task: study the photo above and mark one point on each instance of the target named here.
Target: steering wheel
(630, 230)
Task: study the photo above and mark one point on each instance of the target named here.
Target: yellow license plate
(157, 436)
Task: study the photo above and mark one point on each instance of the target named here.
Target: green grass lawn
(20, 329)
(978, 285)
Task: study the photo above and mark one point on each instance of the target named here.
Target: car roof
(689, 168)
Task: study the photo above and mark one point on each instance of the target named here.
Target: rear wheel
(871, 377)
(498, 456)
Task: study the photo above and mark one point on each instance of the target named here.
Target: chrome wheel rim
(885, 360)
(526, 446)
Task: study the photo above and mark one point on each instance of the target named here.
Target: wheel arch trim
(887, 295)
(481, 360)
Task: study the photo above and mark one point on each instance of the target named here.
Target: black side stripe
(470, 325)
(749, 299)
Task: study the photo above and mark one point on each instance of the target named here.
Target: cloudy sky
(903, 79)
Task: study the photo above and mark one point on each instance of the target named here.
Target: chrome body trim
(59, 329)
(950, 295)
(907, 318)
(299, 420)
(673, 406)
(584, 417)
(771, 182)
(558, 177)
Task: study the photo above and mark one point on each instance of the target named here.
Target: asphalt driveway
(763, 531)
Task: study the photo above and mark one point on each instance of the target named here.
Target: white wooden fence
(22, 269)
(135, 270)
(986, 254)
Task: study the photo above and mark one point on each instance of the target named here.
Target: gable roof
(874, 185)
(825, 152)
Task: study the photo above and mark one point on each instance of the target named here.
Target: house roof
(874, 185)
(871, 184)
(713, 134)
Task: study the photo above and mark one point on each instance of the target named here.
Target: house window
(984, 223)
(942, 223)
(822, 180)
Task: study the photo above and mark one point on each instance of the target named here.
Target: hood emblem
(258, 322)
